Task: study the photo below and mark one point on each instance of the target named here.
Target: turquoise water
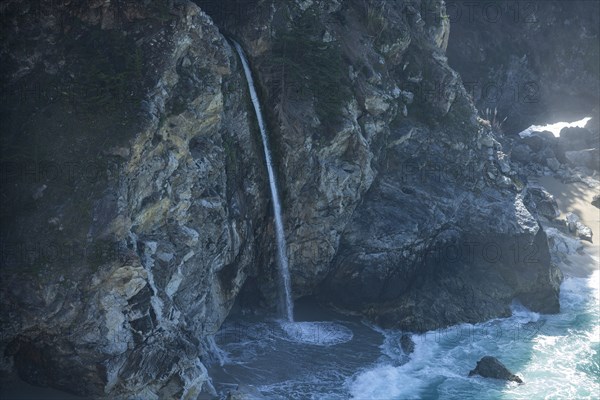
(556, 355)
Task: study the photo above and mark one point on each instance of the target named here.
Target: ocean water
(557, 356)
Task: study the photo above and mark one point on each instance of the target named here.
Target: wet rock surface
(410, 169)
(491, 367)
(399, 202)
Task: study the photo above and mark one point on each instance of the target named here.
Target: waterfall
(282, 260)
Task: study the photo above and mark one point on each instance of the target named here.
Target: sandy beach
(577, 198)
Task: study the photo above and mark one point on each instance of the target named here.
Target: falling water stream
(282, 259)
(340, 357)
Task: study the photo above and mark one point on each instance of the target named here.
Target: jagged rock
(579, 229)
(573, 139)
(161, 222)
(561, 245)
(174, 217)
(376, 104)
(596, 201)
(589, 158)
(490, 367)
(545, 203)
(521, 153)
(393, 239)
(553, 164)
(515, 58)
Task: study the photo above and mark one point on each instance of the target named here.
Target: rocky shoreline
(138, 212)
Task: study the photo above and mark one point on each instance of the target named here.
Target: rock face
(596, 201)
(545, 203)
(576, 227)
(403, 172)
(139, 210)
(147, 203)
(490, 367)
(520, 58)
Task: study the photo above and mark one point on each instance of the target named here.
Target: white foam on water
(387, 382)
(522, 314)
(554, 128)
(216, 353)
(316, 333)
(565, 363)
(556, 355)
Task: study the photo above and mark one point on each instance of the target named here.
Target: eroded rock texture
(122, 261)
(138, 212)
(535, 62)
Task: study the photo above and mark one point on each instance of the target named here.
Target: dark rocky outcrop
(147, 202)
(490, 367)
(596, 201)
(545, 203)
(576, 227)
(399, 203)
(404, 172)
(535, 62)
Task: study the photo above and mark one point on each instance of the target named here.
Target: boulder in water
(490, 367)
(596, 201)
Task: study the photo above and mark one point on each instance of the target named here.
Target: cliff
(137, 212)
(535, 62)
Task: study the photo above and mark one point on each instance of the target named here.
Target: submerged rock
(490, 367)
